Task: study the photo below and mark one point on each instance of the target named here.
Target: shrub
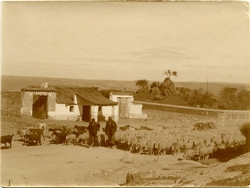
(245, 130)
(202, 126)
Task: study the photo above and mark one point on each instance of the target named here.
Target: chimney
(44, 85)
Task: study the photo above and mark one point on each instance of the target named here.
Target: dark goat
(54, 131)
(37, 131)
(7, 139)
(60, 137)
(33, 138)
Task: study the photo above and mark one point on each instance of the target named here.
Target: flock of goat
(197, 143)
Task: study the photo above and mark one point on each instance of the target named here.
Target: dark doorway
(86, 113)
(39, 107)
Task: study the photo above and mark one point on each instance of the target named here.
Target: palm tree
(170, 73)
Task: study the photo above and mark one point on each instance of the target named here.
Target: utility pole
(207, 85)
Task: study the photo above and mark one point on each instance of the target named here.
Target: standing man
(111, 128)
(93, 128)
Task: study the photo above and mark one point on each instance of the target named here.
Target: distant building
(126, 108)
(66, 103)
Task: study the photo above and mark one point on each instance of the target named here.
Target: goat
(7, 139)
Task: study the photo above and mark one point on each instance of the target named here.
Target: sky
(127, 40)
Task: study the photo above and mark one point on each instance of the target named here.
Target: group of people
(110, 130)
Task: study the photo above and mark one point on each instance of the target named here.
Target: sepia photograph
(125, 94)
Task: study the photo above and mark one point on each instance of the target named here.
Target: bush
(245, 130)
(202, 126)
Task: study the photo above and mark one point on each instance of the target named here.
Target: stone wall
(221, 117)
(27, 103)
(52, 102)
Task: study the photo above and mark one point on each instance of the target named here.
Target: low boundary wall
(222, 116)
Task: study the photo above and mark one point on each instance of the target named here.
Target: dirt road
(61, 165)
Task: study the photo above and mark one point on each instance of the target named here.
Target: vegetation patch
(244, 168)
(236, 181)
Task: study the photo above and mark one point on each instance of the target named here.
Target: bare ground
(61, 165)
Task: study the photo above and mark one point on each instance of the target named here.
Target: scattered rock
(127, 158)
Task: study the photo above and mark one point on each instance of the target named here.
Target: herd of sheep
(194, 143)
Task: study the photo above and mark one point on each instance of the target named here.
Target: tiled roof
(39, 89)
(89, 96)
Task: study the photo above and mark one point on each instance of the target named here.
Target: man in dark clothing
(111, 128)
(93, 128)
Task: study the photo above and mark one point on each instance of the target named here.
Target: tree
(229, 97)
(170, 73)
(243, 97)
(200, 98)
(154, 84)
(143, 86)
(235, 99)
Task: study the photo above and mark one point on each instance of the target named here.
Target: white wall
(106, 111)
(136, 111)
(135, 108)
(94, 112)
(115, 113)
(63, 112)
(110, 111)
(114, 97)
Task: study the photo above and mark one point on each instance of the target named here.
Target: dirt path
(58, 165)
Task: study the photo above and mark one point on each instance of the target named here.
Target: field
(16, 83)
(74, 165)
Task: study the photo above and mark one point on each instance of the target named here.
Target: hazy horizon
(124, 80)
(127, 40)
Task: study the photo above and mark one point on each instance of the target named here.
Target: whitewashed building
(66, 103)
(126, 108)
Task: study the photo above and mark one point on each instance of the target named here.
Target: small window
(71, 108)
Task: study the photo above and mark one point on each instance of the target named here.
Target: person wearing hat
(93, 128)
(111, 128)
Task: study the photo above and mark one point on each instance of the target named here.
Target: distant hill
(19, 82)
(16, 83)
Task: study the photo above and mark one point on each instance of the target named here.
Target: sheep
(175, 148)
(188, 154)
(70, 138)
(22, 133)
(205, 152)
(102, 140)
(42, 126)
(82, 139)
